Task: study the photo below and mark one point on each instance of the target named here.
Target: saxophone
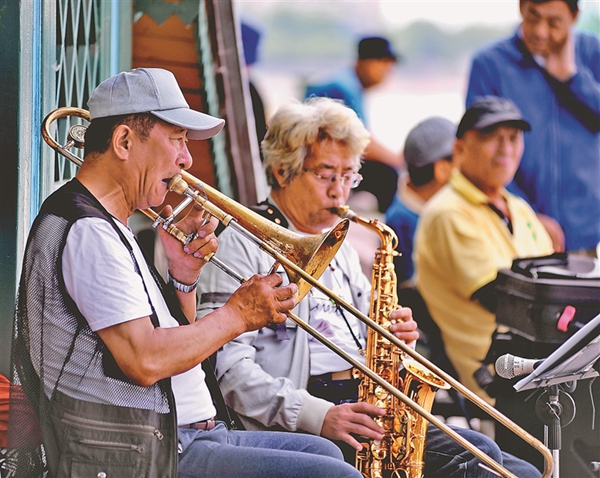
(400, 453)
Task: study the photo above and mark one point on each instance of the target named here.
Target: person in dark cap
(111, 357)
(428, 155)
(551, 71)
(472, 228)
(491, 111)
(374, 62)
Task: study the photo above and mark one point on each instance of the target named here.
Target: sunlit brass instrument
(313, 253)
(314, 256)
(401, 451)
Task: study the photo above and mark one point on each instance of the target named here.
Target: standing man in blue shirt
(552, 74)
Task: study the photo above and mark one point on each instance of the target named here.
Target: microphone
(509, 366)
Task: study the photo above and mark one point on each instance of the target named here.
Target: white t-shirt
(326, 317)
(110, 292)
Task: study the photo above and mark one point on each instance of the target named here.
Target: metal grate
(78, 53)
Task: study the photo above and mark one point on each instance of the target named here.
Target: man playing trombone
(279, 377)
(107, 353)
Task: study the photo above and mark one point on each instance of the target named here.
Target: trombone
(304, 259)
(314, 253)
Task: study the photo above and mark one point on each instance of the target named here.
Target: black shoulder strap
(270, 212)
(267, 210)
(224, 413)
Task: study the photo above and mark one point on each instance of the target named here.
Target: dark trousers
(338, 392)
(443, 456)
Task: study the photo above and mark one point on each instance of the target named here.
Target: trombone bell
(313, 253)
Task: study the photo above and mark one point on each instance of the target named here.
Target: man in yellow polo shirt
(472, 228)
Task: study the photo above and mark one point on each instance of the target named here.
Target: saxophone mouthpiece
(343, 211)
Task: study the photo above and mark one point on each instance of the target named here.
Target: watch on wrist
(180, 286)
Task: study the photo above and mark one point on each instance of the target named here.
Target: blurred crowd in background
(435, 40)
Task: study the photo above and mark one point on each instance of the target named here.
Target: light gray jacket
(263, 378)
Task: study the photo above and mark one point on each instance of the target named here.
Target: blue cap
(250, 40)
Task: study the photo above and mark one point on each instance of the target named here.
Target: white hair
(296, 127)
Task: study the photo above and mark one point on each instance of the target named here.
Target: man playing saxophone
(280, 377)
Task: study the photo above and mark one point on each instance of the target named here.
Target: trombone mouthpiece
(178, 185)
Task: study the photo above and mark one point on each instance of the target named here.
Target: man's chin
(537, 49)
(157, 201)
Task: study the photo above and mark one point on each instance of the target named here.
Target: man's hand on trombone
(188, 259)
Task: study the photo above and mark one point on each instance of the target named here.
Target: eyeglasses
(347, 179)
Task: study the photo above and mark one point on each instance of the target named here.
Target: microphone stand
(555, 408)
(576, 359)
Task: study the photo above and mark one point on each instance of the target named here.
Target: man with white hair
(282, 378)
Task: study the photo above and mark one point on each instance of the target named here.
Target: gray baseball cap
(151, 90)
(429, 141)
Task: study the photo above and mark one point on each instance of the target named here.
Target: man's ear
(459, 146)
(522, 7)
(278, 175)
(121, 141)
(442, 170)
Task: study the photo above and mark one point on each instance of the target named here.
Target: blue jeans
(446, 458)
(234, 453)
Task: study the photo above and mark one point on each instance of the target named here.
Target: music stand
(574, 360)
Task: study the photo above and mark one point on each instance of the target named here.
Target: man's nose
(336, 188)
(185, 158)
(506, 144)
(542, 29)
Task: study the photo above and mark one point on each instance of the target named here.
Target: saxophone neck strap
(271, 212)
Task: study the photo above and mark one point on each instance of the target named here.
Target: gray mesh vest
(55, 354)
